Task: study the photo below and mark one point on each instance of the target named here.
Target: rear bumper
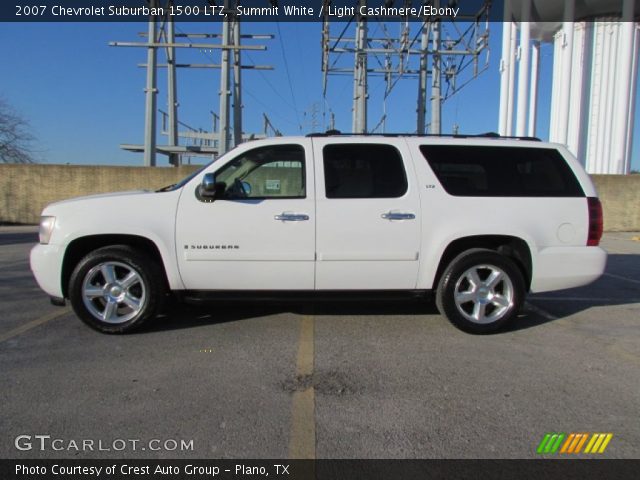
(46, 265)
(557, 268)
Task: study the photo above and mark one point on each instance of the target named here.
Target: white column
(608, 97)
(567, 63)
(623, 90)
(505, 68)
(533, 92)
(523, 70)
(632, 100)
(512, 77)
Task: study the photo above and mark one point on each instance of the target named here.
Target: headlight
(46, 229)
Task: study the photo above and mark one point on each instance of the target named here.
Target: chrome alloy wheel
(113, 292)
(484, 294)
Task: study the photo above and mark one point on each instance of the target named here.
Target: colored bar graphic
(556, 445)
(605, 443)
(598, 443)
(543, 443)
(576, 439)
(594, 437)
(573, 443)
(550, 443)
(565, 447)
(581, 442)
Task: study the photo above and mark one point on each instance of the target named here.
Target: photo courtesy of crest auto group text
(319, 239)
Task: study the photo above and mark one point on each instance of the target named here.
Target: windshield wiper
(167, 188)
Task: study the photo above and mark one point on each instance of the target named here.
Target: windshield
(184, 181)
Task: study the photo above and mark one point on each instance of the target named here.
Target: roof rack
(338, 133)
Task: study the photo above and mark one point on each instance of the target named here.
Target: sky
(83, 98)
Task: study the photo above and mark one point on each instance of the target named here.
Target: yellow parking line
(33, 324)
(302, 441)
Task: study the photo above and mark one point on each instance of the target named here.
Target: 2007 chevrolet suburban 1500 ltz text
(479, 221)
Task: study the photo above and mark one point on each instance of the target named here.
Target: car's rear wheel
(480, 291)
(116, 289)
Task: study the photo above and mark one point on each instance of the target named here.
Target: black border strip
(540, 469)
(201, 10)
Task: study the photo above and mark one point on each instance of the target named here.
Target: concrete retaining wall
(620, 197)
(26, 189)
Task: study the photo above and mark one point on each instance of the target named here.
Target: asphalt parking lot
(326, 381)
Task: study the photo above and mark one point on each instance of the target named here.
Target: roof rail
(338, 133)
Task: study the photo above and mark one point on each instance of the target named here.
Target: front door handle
(398, 216)
(292, 217)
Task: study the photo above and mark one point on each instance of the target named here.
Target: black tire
(119, 261)
(502, 302)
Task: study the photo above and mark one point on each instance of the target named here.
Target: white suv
(479, 221)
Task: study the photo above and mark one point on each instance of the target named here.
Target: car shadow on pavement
(619, 286)
(186, 315)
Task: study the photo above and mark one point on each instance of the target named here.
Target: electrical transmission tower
(434, 48)
(161, 35)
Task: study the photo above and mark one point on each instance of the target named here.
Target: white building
(594, 76)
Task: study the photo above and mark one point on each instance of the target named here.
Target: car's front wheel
(480, 291)
(116, 289)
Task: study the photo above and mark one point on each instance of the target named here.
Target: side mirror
(209, 189)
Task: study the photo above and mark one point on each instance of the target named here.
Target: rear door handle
(292, 217)
(398, 216)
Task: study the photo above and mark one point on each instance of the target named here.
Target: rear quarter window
(494, 171)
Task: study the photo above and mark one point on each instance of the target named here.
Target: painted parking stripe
(33, 324)
(302, 440)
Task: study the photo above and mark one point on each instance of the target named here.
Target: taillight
(595, 221)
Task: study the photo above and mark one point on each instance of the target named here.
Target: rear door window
(363, 171)
(488, 171)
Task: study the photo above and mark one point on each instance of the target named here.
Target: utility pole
(150, 95)
(211, 143)
(436, 78)
(223, 142)
(172, 101)
(360, 74)
(420, 55)
(237, 82)
(422, 78)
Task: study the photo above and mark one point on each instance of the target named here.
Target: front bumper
(557, 268)
(46, 265)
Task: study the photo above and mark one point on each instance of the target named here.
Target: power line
(286, 66)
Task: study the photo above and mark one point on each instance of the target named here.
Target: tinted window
(266, 172)
(363, 171)
(476, 171)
